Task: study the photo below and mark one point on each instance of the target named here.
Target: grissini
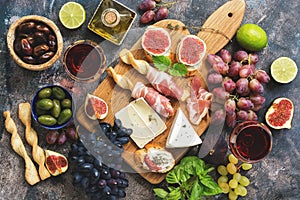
(38, 153)
(31, 174)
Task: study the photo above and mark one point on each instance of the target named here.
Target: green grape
(237, 176)
(231, 168)
(225, 187)
(242, 190)
(238, 190)
(232, 195)
(244, 181)
(246, 166)
(222, 179)
(233, 183)
(233, 159)
(222, 170)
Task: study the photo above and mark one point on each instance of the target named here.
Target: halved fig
(191, 50)
(56, 163)
(95, 107)
(280, 113)
(156, 41)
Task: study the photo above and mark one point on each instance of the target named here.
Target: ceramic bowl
(37, 112)
(38, 58)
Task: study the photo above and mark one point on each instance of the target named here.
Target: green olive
(47, 120)
(64, 116)
(58, 93)
(44, 104)
(55, 111)
(66, 103)
(45, 93)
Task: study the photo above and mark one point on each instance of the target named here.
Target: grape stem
(177, 27)
(166, 4)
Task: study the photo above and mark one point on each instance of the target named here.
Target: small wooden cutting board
(218, 30)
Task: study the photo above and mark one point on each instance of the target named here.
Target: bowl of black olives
(34, 42)
(52, 107)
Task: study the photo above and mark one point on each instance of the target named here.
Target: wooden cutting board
(219, 29)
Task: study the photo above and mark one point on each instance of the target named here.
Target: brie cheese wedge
(182, 133)
(143, 120)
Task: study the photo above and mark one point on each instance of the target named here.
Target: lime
(252, 37)
(284, 70)
(72, 15)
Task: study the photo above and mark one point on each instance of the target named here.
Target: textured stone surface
(276, 177)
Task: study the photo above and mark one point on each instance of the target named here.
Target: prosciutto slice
(158, 102)
(199, 101)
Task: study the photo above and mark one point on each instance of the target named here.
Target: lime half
(284, 70)
(252, 37)
(72, 15)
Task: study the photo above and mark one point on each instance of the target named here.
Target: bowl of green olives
(52, 107)
(34, 42)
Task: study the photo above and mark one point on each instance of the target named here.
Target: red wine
(251, 142)
(84, 61)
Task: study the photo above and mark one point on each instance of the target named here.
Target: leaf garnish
(164, 63)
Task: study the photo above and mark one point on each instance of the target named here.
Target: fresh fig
(56, 163)
(280, 113)
(95, 107)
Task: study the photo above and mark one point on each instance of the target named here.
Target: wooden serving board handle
(221, 25)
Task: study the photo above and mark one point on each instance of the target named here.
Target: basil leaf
(211, 187)
(178, 69)
(172, 176)
(196, 192)
(162, 63)
(161, 193)
(174, 195)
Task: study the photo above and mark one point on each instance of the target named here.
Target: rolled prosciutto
(198, 103)
(158, 102)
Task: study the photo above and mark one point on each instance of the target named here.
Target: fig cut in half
(95, 107)
(156, 41)
(191, 50)
(56, 163)
(280, 114)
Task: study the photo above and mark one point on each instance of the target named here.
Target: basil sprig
(189, 180)
(163, 63)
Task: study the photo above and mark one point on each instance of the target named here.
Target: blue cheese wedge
(143, 120)
(182, 133)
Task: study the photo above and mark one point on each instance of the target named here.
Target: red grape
(241, 55)
(162, 13)
(230, 106)
(245, 71)
(225, 55)
(212, 59)
(242, 86)
(257, 107)
(231, 119)
(71, 133)
(262, 76)
(62, 138)
(148, 16)
(242, 115)
(147, 5)
(214, 78)
(255, 86)
(253, 58)
(252, 115)
(51, 137)
(257, 99)
(245, 104)
(221, 67)
(220, 93)
(228, 84)
(234, 69)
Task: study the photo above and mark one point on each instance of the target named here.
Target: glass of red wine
(250, 141)
(84, 60)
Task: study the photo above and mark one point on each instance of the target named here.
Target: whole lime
(252, 37)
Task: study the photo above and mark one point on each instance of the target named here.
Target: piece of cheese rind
(182, 133)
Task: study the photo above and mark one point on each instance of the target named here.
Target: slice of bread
(154, 159)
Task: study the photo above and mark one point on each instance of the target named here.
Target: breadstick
(31, 174)
(38, 153)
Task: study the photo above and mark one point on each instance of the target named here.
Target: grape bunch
(154, 10)
(231, 181)
(97, 179)
(237, 84)
(61, 136)
(107, 145)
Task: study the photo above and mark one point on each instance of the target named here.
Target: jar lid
(110, 17)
